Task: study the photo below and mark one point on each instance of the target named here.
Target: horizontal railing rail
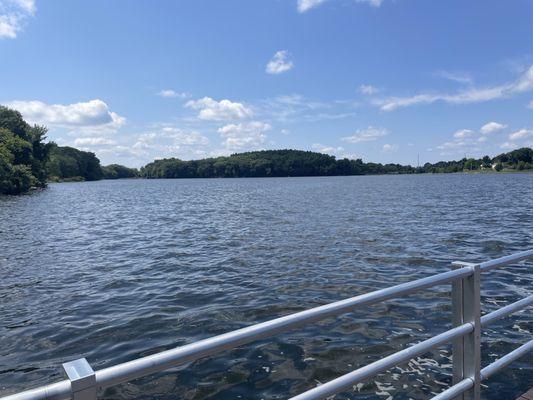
(393, 360)
(83, 382)
(467, 384)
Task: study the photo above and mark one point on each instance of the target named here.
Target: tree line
(278, 163)
(70, 164)
(27, 161)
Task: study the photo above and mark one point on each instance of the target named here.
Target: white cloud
(373, 3)
(305, 5)
(459, 77)
(93, 113)
(327, 149)
(463, 133)
(169, 93)
(530, 105)
(161, 142)
(297, 108)
(279, 63)
(26, 5)
(508, 145)
(167, 141)
(458, 146)
(475, 95)
(9, 26)
(365, 135)
(469, 140)
(389, 148)
(184, 138)
(524, 83)
(368, 89)
(299, 100)
(170, 136)
(13, 14)
(465, 97)
(463, 140)
(521, 134)
(212, 110)
(94, 141)
(244, 136)
(492, 127)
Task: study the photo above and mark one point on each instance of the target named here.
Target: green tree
(116, 171)
(68, 163)
(23, 153)
(470, 164)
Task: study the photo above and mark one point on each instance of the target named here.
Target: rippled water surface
(115, 270)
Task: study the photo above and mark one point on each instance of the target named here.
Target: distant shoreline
(527, 171)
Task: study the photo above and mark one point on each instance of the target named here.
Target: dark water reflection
(112, 271)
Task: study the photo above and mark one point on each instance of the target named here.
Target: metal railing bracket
(82, 379)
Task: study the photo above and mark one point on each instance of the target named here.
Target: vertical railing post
(82, 379)
(466, 307)
(457, 319)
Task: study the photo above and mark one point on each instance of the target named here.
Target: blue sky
(382, 80)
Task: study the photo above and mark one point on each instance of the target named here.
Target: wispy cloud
(474, 95)
(168, 141)
(365, 135)
(468, 140)
(297, 108)
(368, 89)
(373, 3)
(521, 134)
(492, 127)
(456, 147)
(389, 148)
(463, 133)
(459, 77)
(162, 140)
(279, 63)
(169, 93)
(519, 138)
(94, 141)
(13, 15)
(244, 136)
(306, 5)
(212, 110)
(338, 151)
(332, 150)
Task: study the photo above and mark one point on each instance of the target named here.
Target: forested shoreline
(280, 163)
(27, 161)
(70, 164)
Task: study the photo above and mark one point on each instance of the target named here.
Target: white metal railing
(83, 383)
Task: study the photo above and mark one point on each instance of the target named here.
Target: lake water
(115, 270)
